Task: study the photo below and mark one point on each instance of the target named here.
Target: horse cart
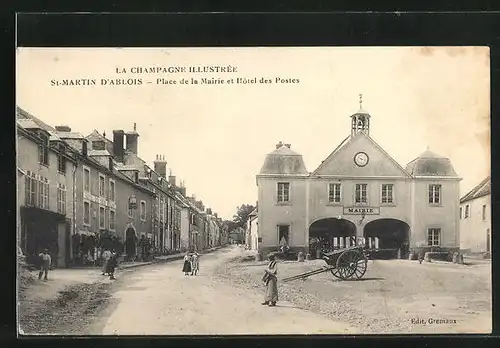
(345, 264)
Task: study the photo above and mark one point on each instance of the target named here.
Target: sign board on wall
(361, 210)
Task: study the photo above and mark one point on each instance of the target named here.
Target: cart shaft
(308, 274)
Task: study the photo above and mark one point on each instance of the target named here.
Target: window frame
(467, 211)
(439, 236)
(483, 212)
(87, 169)
(61, 198)
(112, 212)
(103, 193)
(31, 189)
(329, 191)
(282, 195)
(392, 196)
(44, 193)
(143, 214)
(112, 192)
(361, 185)
(43, 150)
(102, 218)
(440, 194)
(86, 202)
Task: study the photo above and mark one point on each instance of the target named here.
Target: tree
(242, 215)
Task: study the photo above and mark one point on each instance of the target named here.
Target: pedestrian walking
(45, 265)
(111, 265)
(106, 255)
(186, 268)
(195, 263)
(270, 279)
(421, 255)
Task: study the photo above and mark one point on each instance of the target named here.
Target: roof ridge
(337, 149)
(475, 190)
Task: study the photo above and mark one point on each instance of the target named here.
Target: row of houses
(79, 194)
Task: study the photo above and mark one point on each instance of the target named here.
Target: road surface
(161, 300)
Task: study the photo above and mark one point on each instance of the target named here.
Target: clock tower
(360, 121)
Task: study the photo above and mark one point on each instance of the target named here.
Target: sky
(215, 136)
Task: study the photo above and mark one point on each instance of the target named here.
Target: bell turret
(360, 120)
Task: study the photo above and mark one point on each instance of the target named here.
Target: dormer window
(98, 145)
(43, 149)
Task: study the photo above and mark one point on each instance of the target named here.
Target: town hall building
(358, 195)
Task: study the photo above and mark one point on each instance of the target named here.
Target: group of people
(191, 264)
(109, 263)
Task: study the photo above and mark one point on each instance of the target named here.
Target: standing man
(46, 261)
(106, 255)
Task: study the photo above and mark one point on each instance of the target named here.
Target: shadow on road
(357, 280)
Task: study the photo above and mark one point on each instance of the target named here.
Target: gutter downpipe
(75, 165)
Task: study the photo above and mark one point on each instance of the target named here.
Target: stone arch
(393, 236)
(327, 234)
(130, 241)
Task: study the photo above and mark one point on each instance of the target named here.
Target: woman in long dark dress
(187, 264)
(111, 265)
(271, 281)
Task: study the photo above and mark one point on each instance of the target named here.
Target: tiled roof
(284, 161)
(482, 189)
(99, 153)
(431, 164)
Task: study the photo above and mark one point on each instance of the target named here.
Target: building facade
(78, 195)
(253, 230)
(358, 195)
(45, 187)
(475, 219)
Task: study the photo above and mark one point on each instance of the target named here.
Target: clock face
(361, 159)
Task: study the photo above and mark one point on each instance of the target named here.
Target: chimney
(84, 147)
(278, 145)
(161, 166)
(171, 180)
(63, 129)
(132, 140)
(118, 145)
(182, 191)
(209, 211)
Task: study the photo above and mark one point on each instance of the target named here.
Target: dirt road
(394, 296)
(160, 300)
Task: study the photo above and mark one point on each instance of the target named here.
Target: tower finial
(360, 101)
(135, 126)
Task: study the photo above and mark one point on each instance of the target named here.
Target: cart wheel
(361, 265)
(335, 273)
(346, 265)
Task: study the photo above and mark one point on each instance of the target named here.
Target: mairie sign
(361, 210)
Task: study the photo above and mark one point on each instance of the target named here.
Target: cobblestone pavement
(395, 296)
(161, 300)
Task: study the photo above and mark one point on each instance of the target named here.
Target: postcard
(257, 190)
